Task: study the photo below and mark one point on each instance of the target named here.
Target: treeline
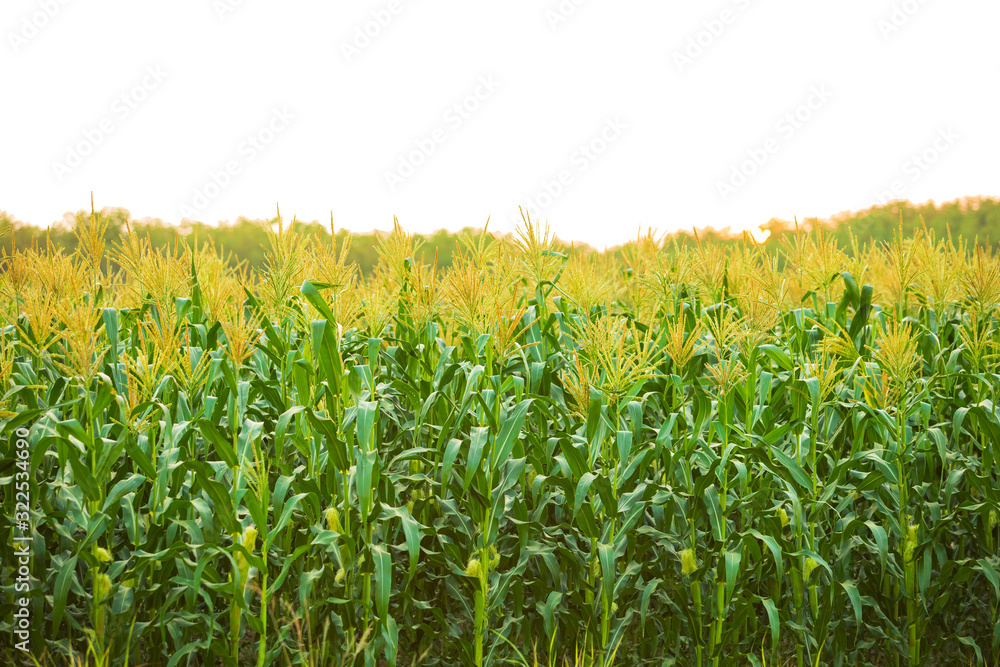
(242, 242)
(245, 241)
(975, 219)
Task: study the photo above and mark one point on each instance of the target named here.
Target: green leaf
(411, 530)
(365, 424)
(63, 580)
(120, 490)
(220, 443)
(223, 503)
(772, 544)
(778, 356)
(326, 354)
(450, 454)
(732, 559)
(383, 581)
(990, 572)
(582, 489)
(773, 620)
(477, 445)
(606, 555)
(714, 511)
(509, 433)
(365, 481)
(882, 542)
(286, 515)
(390, 635)
(798, 474)
(83, 477)
(855, 596)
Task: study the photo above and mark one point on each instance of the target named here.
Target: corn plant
(668, 453)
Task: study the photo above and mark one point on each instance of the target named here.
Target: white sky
(673, 131)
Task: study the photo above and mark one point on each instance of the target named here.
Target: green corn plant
(525, 452)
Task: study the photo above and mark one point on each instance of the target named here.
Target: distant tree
(975, 219)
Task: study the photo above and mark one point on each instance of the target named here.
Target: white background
(900, 72)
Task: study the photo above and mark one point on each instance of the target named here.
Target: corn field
(778, 454)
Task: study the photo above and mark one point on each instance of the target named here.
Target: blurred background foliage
(245, 241)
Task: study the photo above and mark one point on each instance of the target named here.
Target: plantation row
(715, 456)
